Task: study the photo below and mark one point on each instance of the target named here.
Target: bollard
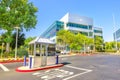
(57, 59)
(24, 61)
(30, 66)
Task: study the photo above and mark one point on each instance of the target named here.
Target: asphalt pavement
(95, 67)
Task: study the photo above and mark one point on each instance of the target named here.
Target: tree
(21, 39)
(118, 45)
(1, 42)
(98, 43)
(84, 41)
(108, 46)
(27, 40)
(112, 45)
(79, 41)
(74, 41)
(17, 13)
(64, 38)
(8, 39)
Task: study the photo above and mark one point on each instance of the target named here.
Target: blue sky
(100, 10)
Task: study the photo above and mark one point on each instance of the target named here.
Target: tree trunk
(8, 47)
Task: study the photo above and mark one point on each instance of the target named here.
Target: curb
(66, 55)
(86, 54)
(37, 69)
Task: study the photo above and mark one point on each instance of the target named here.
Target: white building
(74, 23)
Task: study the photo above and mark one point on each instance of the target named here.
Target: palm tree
(7, 39)
(21, 39)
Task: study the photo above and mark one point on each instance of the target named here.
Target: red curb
(44, 68)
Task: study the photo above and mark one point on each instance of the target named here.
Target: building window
(51, 31)
(117, 33)
(78, 25)
(97, 31)
(90, 27)
(84, 33)
(90, 33)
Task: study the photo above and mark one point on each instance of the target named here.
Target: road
(96, 67)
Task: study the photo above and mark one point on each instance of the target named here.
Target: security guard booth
(39, 50)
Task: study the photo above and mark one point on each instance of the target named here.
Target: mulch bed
(11, 61)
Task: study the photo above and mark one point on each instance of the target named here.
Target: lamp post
(84, 47)
(115, 38)
(16, 42)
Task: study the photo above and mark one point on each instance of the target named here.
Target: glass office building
(75, 24)
(98, 32)
(116, 35)
(52, 30)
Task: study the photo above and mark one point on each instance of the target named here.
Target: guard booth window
(51, 50)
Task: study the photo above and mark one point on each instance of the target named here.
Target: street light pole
(16, 42)
(115, 38)
(84, 46)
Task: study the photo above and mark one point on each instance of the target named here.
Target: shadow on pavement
(65, 63)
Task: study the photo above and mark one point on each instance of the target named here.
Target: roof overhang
(40, 40)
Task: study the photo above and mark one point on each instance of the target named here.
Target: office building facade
(116, 35)
(75, 24)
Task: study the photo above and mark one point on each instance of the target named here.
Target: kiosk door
(44, 56)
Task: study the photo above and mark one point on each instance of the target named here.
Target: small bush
(12, 54)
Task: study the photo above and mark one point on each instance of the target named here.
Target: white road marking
(63, 58)
(4, 68)
(61, 76)
(60, 73)
(44, 77)
(47, 71)
(71, 73)
(78, 68)
(62, 70)
(86, 71)
(76, 75)
(50, 74)
(35, 73)
(56, 69)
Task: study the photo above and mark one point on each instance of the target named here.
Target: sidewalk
(67, 55)
(75, 55)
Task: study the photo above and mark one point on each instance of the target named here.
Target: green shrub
(0, 50)
(11, 54)
(110, 50)
(22, 52)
